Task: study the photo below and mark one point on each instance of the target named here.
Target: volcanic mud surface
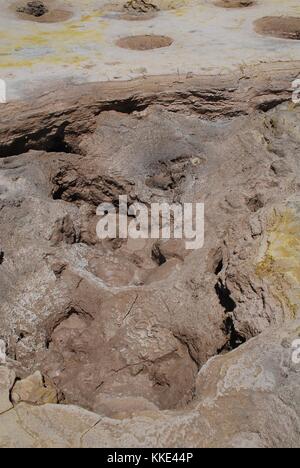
(127, 329)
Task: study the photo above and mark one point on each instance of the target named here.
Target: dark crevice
(157, 256)
(21, 337)
(59, 195)
(225, 298)
(219, 267)
(49, 140)
(128, 106)
(269, 105)
(235, 339)
(17, 379)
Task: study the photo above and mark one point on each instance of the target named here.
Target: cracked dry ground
(122, 328)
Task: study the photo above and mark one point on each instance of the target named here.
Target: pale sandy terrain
(206, 38)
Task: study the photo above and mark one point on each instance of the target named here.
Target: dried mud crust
(150, 5)
(144, 42)
(139, 10)
(108, 321)
(41, 12)
(235, 3)
(140, 6)
(125, 13)
(285, 27)
(34, 8)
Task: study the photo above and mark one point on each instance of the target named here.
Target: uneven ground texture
(123, 343)
(161, 346)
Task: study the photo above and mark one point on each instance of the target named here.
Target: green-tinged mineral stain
(281, 262)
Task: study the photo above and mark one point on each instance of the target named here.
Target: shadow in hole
(225, 299)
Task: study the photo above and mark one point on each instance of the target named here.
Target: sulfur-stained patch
(207, 39)
(180, 12)
(281, 260)
(63, 44)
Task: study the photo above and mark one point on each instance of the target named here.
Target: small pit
(284, 27)
(146, 42)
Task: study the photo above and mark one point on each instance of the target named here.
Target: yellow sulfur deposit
(281, 262)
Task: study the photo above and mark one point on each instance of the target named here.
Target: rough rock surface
(247, 398)
(33, 390)
(122, 328)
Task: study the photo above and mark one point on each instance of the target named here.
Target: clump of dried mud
(41, 12)
(34, 8)
(139, 10)
(140, 6)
